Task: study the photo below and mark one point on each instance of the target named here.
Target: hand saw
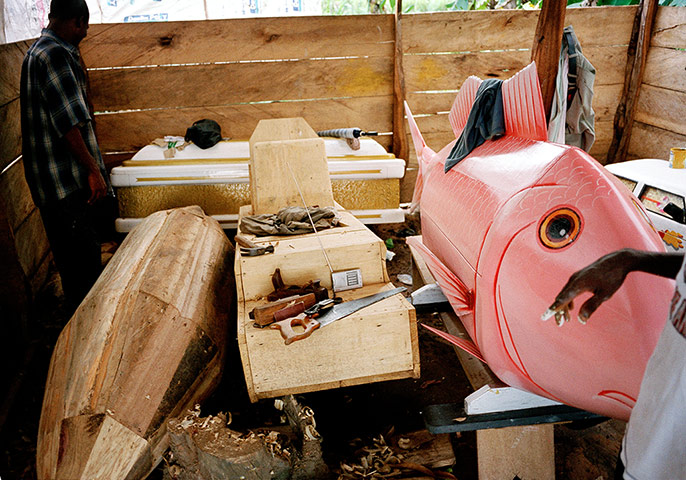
(312, 321)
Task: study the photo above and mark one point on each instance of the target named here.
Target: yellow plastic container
(677, 157)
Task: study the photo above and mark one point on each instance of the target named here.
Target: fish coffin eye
(559, 228)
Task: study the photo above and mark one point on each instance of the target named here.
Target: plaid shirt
(53, 101)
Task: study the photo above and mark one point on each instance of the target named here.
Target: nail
(547, 314)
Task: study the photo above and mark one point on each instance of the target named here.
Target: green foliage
(356, 7)
(602, 3)
(344, 7)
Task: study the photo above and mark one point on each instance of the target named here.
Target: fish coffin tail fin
(462, 105)
(423, 155)
(417, 193)
(523, 105)
(417, 139)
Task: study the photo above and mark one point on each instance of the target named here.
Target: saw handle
(286, 327)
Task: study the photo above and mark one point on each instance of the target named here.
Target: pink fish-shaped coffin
(504, 229)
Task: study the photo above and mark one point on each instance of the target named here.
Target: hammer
(250, 248)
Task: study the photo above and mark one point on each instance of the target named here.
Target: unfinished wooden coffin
(300, 257)
(147, 343)
(378, 342)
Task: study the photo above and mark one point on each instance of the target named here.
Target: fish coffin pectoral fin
(289, 335)
(466, 345)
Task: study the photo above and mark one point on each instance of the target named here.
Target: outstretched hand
(602, 278)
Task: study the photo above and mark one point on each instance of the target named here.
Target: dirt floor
(347, 418)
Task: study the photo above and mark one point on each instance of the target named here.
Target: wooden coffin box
(376, 343)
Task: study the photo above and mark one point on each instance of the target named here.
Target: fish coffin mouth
(559, 228)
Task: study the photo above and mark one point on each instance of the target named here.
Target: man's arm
(78, 149)
(604, 277)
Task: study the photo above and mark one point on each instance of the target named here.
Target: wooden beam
(130, 131)
(237, 40)
(635, 66)
(399, 137)
(181, 85)
(10, 140)
(11, 58)
(546, 48)
(534, 446)
(480, 30)
(649, 141)
(449, 70)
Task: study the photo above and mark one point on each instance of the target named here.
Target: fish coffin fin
(421, 149)
(462, 105)
(461, 298)
(466, 345)
(523, 105)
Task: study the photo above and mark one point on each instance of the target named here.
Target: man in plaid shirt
(62, 161)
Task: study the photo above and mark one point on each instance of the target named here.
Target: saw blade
(351, 306)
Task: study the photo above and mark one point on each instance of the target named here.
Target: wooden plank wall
(660, 119)
(156, 79)
(11, 57)
(21, 227)
(442, 49)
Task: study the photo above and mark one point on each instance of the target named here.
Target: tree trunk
(308, 464)
(206, 449)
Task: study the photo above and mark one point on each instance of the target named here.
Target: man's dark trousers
(75, 229)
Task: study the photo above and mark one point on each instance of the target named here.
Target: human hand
(97, 186)
(602, 278)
